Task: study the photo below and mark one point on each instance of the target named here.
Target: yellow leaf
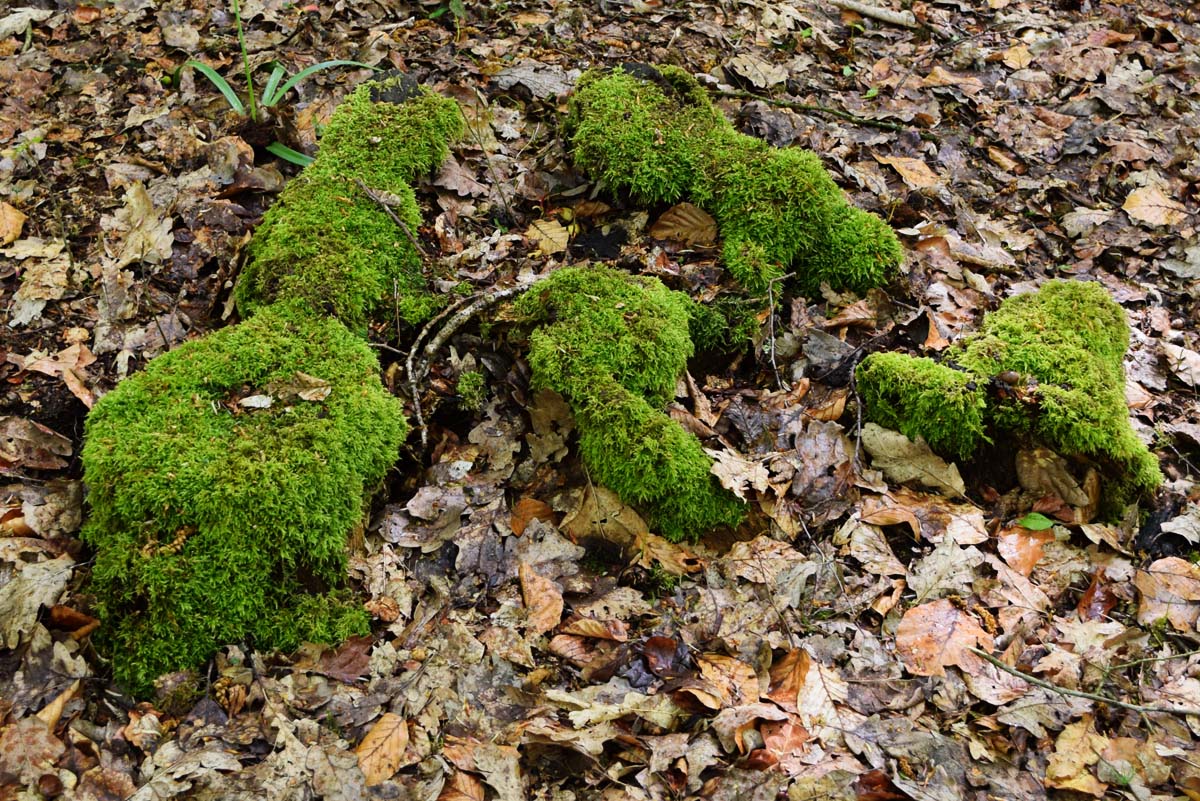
(11, 223)
(549, 235)
(382, 750)
(1150, 205)
(916, 173)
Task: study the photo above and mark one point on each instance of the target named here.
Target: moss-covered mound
(1064, 343)
(614, 345)
(329, 245)
(655, 134)
(215, 519)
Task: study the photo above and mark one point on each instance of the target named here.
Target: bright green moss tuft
(326, 243)
(659, 138)
(614, 345)
(921, 398)
(214, 522)
(1065, 343)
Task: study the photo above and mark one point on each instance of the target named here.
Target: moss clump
(614, 345)
(1065, 343)
(326, 243)
(656, 135)
(214, 521)
(921, 398)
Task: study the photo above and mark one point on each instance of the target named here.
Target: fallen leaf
(456, 178)
(543, 601)
(686, 223)
(1184, 363)
(462, 786)
(1022, 548)
(610, 629)
(936, 635)
(903, 460)
(601, 513)
(738, 474)
(12, 221)
(382, 749)
(28, 749)
(1170, 588)
(45, 276)
(734, 680)
(142, 234)
(348, 662)
(37, 584)
(914, 172)
(526, 510)
(948, 570)
(20, 20)
(1077, 749)
(26, 444)
(70, 364)
(761, 74)
(1149, 204)
(549, 236)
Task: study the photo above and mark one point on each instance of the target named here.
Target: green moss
(1066, 343)
(614, 345)
(213, 522)
(921, 398)
(661, 140)
(472, 390)
(326, 243)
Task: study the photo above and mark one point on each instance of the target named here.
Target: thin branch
(836, 112)
(1103, 699)
(386, 205)
(905, 19)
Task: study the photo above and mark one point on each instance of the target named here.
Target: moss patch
(657, 136)
(214, 521)
(614, 345)
(1065, 343)
(326, 243)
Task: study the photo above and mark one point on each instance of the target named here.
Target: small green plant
(472, 390)
(274, 91)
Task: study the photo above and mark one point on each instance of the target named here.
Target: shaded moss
(326, 243)
(921, 398)
(663, 140)
(1065, 342)
(213, 522)
(614, 345)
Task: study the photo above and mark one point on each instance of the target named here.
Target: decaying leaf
(1077, 749)
(1184, 363)
(935, 635)
(45, 276)
(738, 474)
(37, 584)
(543, 601)
(761, 74)
(1170, 588)
(528, 509)
(1022, 547)
(549, 236)
(686, 223)
(903, 460)
(26, 444)
(915, 172)
(382, 749)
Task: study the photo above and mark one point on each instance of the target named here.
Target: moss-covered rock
(655, 134)
(614, 345)
(1064, 344)
(215, 519)
(326, 243)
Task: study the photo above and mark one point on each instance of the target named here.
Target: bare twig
(771, 326)
(905, 19)
(835, 112)
(386, 205)
(1103, 699)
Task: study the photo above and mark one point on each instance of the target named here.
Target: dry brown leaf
(70, 364)
(915, 172)
(24, 443)
(1022, 547)
(732, 678)
(652, 550)
(610, 629)
(462, 786)
(12, 221)
(543, 600)
(28, 749)
(686, 223)
(528, 509)
(935, 635)
(903, 461)
(1170, 588)
(1149, 204)
(574, 649)
(382, 749)
(601, 513)
(1077, 749)
(738, 474)
(549, 236)
(1184, 363)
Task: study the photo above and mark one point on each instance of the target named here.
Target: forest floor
(856, 638)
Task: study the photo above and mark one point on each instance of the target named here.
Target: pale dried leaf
(686, 223)
(382, 749)
(761, 74)
(543, 601)
(1076, 750)
(24, 443)
(12, 221)
(1184, 363)
(549, 236)
(738, 474)
(867, 544)
(1149, 204)
(903, 460)
(915, 172)
(736, 681)
(948, 570)
(37, 584)
(1170, 588)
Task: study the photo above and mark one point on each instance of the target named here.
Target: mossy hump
(214, 519)
(614, 346)
(777, 209)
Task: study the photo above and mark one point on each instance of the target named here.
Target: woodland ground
(532, 639)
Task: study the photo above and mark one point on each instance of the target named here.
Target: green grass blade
(222, 85)
(277, 75)
(287, 154)
(270, 100)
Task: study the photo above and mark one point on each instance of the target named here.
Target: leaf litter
(533, 637)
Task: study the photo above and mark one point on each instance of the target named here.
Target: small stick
(387, 206)
(1103, 699)
(771, 326)
(905, 19)
(836, 112)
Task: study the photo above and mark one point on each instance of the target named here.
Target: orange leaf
(1170, 588)
(382, 750)
(528, 509)
(1022, 548)
(462, 787)
(937, 634)
(686, 223)
(543, 600)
